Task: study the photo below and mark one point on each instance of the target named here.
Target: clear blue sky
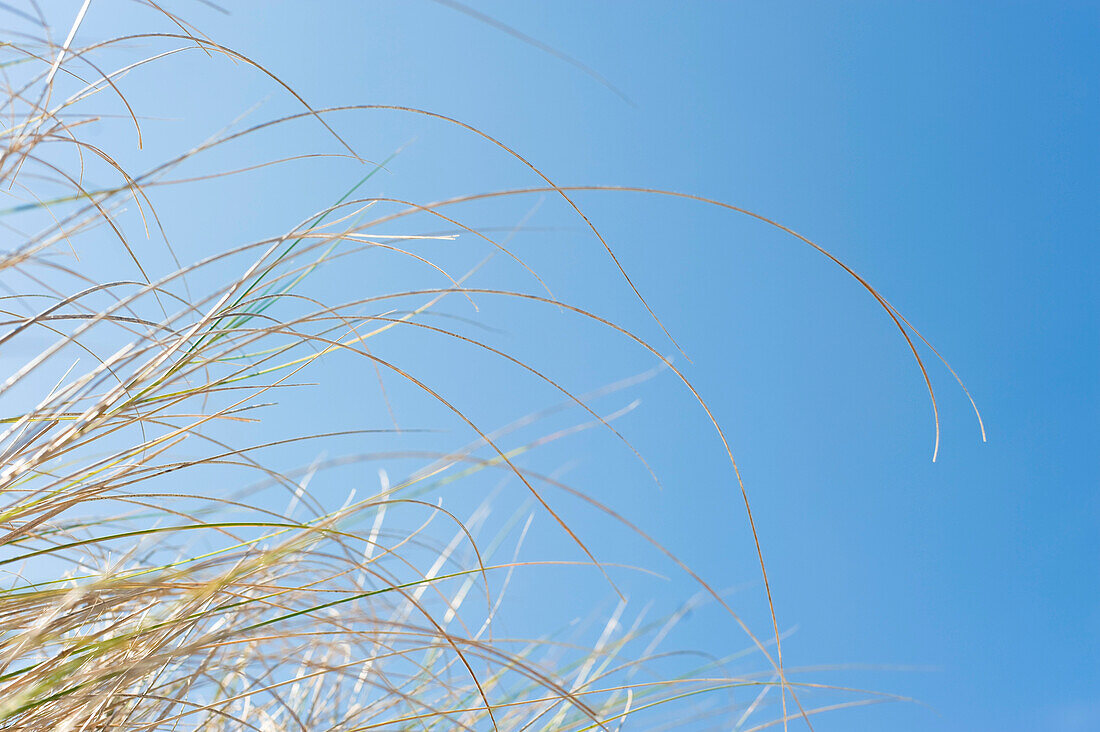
(947, 151)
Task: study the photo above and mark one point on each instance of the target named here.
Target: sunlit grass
(245, 601)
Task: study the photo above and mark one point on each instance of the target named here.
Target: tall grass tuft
(160, 573)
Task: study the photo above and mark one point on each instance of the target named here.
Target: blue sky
(946, 151)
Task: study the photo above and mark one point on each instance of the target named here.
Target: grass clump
(161, 572)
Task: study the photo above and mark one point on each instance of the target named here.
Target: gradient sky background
(947, 151)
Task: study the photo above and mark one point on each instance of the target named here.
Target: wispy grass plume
(160, 573)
